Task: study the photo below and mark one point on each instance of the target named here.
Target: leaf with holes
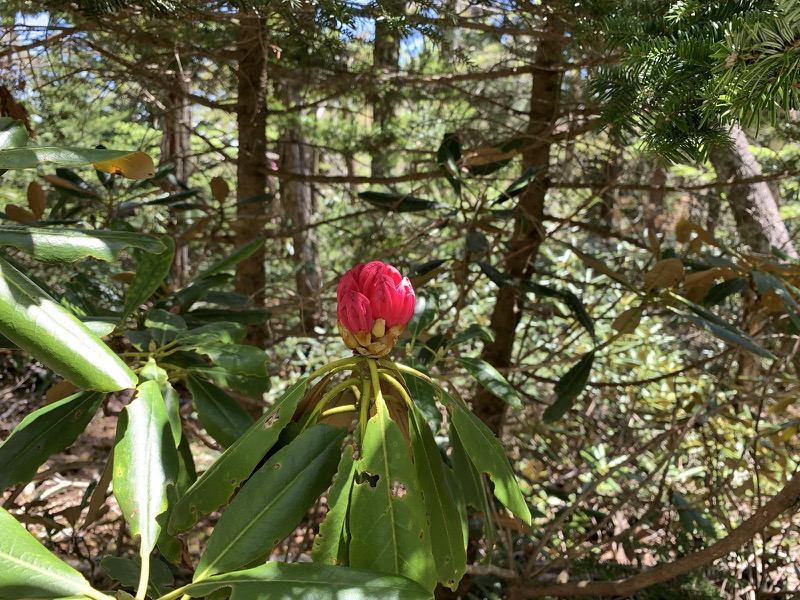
(444, 522)
(390, 533)
(217, 484)
(489, 457)
(331, 543)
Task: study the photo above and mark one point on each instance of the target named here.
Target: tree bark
(754, 208)
(528, 233)
(385, 60)
(176, 127)
(298, 204)
(252, 163)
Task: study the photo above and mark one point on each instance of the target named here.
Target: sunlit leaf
(138, 165)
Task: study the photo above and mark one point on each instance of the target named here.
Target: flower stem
(338, 410)
(334, 366)
(144, 577)
(328, 397)
(398, 387)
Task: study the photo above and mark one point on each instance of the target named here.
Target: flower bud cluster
(374, 304)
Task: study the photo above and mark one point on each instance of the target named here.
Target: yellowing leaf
(219, 188)
(683, 231)
(137, 165)
(664, 274)
(19, 214)
(36, 200)
(628, 320)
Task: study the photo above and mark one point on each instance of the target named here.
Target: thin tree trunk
(176, 126)
(252, 163)
(754, 208)
(760, 226)
(528, 232)
(297, 201)
(385, 60)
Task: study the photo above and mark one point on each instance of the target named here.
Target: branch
(787, 498)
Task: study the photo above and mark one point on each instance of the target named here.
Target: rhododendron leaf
(492, 380)
(223, 417)
(390, 533)
(569, 387)
(518, 185)
(233, 259)
(302, 580)
(238, 359)
(35, 322)
(250, 385)
(31, 571)
(489, 457)
(43, 433)
(400, 202)
(222, 333)
(150, 274)
(447, 539)
(331, 543)
(145, 463)
(217, 484)
(273, 501)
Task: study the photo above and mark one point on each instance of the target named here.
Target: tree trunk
(760, 226)
(528, 232)
(385, 61)
(176, 127)
(252, 163)
(297, 201)
(754, 208)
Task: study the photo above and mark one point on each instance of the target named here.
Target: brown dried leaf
(19, 214)
(683, 231)
(219, 188)
(36, 199)
(628, 320)
(664, 274)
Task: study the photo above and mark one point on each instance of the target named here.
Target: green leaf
(474, 331)
(400, 202)
(251, 316)
(126, 571)
(222, 416)
(389, 529)
(164, 326)
(273, 501)
(12, 133)
(145, 463)
(99, 327)
(238, 359)
(152, 270)
(68, 245)
(41, 326)
(31, 157)
(31, 571)
(251, 385)
(723, 290)
(276, 580)
(152, 372)
(722, 330)
(43, 433)
(447, 157)
(518, 185)
(571, 300)
(233, 259)
(217, 484)
(220, 332)
(492, 380)
(332, 541)
(488, 456)
(569, 387)
(444, 522)
(423, 394)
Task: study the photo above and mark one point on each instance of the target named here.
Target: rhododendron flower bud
(374, 304)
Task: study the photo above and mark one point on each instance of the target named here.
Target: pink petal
(355, 312)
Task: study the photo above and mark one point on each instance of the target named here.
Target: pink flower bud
(374, 304)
